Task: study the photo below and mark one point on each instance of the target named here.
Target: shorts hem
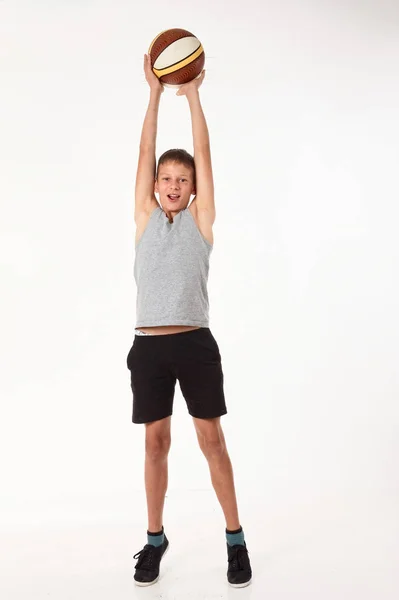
(144, 421)
(212, 416)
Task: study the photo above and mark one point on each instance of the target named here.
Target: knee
(157, 447)
(213, 448)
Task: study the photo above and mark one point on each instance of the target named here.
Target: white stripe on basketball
(177, 51)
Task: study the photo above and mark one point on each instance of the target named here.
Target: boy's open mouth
(173, 197)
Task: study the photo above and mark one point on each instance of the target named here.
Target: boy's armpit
(144, 209)
(204, 220)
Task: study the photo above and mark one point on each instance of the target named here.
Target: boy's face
(174, 185)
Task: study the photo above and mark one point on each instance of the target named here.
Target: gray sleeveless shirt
(171, 271)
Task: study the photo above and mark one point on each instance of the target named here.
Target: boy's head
(175, 180)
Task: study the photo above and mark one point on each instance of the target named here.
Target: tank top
(171, 272)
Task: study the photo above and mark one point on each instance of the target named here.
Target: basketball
(177, 57)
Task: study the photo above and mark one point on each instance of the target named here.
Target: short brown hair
(177, 155)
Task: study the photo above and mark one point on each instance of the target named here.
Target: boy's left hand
(193, 85)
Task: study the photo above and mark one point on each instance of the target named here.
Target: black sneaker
(239, 573)
(147, 566)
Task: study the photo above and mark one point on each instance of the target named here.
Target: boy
(173, 340)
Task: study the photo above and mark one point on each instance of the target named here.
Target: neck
(171, 214)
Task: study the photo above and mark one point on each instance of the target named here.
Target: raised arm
(145, 177)
(204, 199)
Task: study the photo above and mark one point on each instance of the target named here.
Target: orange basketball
(177, 57)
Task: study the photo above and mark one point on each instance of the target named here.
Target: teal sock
(155, 539)
(235, 537)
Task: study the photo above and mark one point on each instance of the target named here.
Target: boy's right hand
(150, 76)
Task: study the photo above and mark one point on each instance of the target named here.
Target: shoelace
(145, 558)
(237, 558)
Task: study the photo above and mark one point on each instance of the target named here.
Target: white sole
(147, 583)
(239, 585)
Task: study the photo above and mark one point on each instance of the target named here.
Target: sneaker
(147, 566)
(239, 572)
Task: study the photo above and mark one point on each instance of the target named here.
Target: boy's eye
(166, 179)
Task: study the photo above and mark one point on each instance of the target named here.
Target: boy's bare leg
(213, 445)
(157, 445)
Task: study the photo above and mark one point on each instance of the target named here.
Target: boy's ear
(156, 187)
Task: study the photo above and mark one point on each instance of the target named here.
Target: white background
(301, 99)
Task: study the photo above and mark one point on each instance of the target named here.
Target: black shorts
(191, 357)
